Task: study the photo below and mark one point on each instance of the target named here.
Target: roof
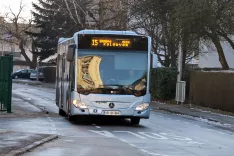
(106, 32)
(50, 58)
(62, 39)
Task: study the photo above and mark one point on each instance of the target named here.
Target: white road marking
(143, 150)
(69, 140)
(155, 136)
(123, 140)
(151, 153)
(209, 129)
(197, 126)
(186, 123)
(194, 142)
(176, 137)
(104, 133)
(132, 145)
(135, 134)
(97, 127)
(145, 135)
(221, 132)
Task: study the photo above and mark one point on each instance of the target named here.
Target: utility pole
(180, 62)
(37, 70)
(180, 85)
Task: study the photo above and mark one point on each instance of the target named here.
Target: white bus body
(105, 73)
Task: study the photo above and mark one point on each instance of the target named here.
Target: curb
(33, 145)
(180, 113)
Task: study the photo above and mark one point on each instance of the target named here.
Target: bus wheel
(61, 112)
(70, 117)
(135, 121)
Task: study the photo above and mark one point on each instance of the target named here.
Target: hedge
(163, 83)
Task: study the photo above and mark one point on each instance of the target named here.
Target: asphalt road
(163, 134)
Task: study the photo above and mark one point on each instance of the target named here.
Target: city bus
(104, 73)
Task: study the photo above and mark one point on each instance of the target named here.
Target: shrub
(163, 83)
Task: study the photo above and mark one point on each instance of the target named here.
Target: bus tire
(70, 117)
(61, 112)
(135, 121)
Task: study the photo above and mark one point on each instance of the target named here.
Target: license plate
(114, 113)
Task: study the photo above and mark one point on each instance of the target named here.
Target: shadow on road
(104, 121)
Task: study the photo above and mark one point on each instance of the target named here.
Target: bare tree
(210, 20)
(97, 14)
(156, 19)
(15, 25)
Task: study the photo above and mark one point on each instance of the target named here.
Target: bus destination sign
(111, 42)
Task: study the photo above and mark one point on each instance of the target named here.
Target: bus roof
(100, 32)
(106, 32)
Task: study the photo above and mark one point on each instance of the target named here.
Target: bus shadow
(104, 121)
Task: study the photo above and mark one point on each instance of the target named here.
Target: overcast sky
(14, 5)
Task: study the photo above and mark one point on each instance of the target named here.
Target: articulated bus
(104, 73)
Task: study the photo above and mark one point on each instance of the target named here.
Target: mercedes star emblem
(111, 105)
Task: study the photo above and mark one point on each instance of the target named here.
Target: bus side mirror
(154, 60)
(71, 52)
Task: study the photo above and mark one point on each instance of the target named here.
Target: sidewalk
(203, 113)
(34, 83)
(13, 142)
(16, 143)
(21, 108)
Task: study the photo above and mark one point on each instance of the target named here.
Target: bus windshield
(112, 72)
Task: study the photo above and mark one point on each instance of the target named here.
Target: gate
(6, 68)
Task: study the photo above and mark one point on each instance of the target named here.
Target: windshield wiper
(116, 85)
(125, 87)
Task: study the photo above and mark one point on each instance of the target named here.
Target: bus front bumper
(130, 112)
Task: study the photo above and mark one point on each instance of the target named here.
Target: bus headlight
(79, 104)
(142, 107)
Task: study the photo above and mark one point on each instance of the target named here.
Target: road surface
(163, 134)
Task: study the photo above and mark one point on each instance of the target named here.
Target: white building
(210, 59)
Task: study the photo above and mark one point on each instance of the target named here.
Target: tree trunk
(185, 42)
(220, 51)
(229, 40)
(35, 55)
(173, 55)
(21, 46)
(170, 44)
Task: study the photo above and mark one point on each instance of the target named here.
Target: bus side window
(72, 76)
(58, 65)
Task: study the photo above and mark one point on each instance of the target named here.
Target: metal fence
(6, 67)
